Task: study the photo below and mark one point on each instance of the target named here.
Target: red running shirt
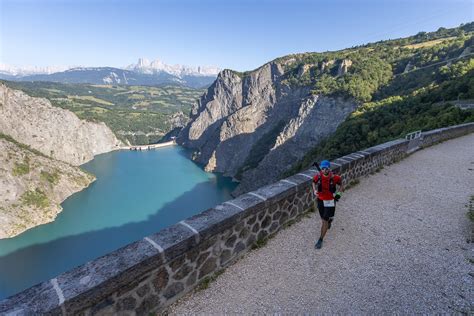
(326, 194)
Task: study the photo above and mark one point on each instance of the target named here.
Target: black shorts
(326, 212)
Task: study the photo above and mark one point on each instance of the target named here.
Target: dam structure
(151, 274)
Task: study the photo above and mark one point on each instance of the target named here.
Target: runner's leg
(324, 228)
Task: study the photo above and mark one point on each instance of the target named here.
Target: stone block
(148, 305)
(160, 280)
(128, 303)
(202, 258)
(104, 307)
(143, 290)
(276, 191)
(250, 241)
(251, 220)
(175, 240)
(256, 228)
(92, 282)
(274, 227)
(39, 299)
(192, 254)
(241, 246)
(244, 233)
(177, 263)
(209, 266)
(277, 215)
(230, 242)
(311, 172)
(251, 204)
(261, 235)
(192, 279)
(215, 220)
(183, 272)
(343, 164)
(266, 221)
(299, 180)
(225, 256)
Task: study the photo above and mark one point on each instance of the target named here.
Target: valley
(138, 115)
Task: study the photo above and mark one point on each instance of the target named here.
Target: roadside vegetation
(402, 85)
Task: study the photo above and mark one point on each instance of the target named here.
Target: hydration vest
(332, 186)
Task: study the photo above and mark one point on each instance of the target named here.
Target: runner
(325, 184)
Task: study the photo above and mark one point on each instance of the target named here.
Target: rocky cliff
(32, 186)
(55, 132)
(254, 126)
(39, 144)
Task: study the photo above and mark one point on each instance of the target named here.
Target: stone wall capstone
(150, 274)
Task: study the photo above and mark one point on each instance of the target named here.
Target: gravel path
(398, 245)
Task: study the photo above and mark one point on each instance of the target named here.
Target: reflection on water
(135, 195)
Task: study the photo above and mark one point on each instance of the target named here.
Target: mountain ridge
(257, 125)
(141, 73)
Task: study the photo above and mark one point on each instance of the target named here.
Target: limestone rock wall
(240, 114)
(32, 187)
(55, 132)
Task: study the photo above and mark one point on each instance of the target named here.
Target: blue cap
(325, 164)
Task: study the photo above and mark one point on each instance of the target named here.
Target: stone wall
(150, 274)
(442, 134)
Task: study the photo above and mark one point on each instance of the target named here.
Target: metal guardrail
(415, 139)
(413, 135)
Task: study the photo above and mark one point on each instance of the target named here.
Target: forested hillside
(403, 85)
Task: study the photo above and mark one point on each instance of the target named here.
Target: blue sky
(236, 34)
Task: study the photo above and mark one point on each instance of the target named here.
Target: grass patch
(22, 168)
(22, 146)
(204, 284)
(429, 43)
(35, 198)
(289, 223)
(352, 184)
(470, 212)
(81, 180)
(52, 178)
(260, 243)
(91, 98)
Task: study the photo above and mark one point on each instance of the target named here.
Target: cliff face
(255, 126)
(55, 132)
(32, 186)
(39, 144)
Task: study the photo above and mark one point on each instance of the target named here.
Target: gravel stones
(397, 245)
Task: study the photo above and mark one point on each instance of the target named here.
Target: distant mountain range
(144, 72)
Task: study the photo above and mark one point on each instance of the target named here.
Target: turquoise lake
(136, 194)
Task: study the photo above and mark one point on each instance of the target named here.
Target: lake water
(136, 194)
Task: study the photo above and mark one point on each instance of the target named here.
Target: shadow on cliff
(320, 122)
(33, 264)
(246, 150)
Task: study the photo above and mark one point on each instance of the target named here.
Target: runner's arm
(313, 183)
(314, 189)
(341, 187)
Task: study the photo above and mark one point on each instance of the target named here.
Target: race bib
(328, 203)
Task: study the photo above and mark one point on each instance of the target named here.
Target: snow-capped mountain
(142, 73)
(146, 67)
(30, 70)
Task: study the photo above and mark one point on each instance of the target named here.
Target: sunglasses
(324, 168)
